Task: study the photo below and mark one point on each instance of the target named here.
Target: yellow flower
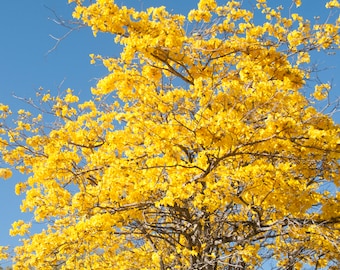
(4, 108)
(333, 4)
(321, 91)
(5, 173)
(297, 3)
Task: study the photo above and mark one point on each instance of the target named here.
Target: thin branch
(68, 24)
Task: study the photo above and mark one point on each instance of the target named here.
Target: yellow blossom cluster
(198, 149)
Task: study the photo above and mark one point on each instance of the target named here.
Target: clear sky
(25, 65)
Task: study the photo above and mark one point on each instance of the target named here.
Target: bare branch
(71, 25)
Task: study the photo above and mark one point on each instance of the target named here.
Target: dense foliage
(199, 149)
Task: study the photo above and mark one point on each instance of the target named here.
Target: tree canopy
(202, 148)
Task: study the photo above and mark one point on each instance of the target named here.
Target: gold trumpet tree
(201, 148)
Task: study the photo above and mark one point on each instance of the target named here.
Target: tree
(201, 148)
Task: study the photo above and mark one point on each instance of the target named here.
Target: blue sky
(25, 65)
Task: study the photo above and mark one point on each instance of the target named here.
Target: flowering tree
(199, 149)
